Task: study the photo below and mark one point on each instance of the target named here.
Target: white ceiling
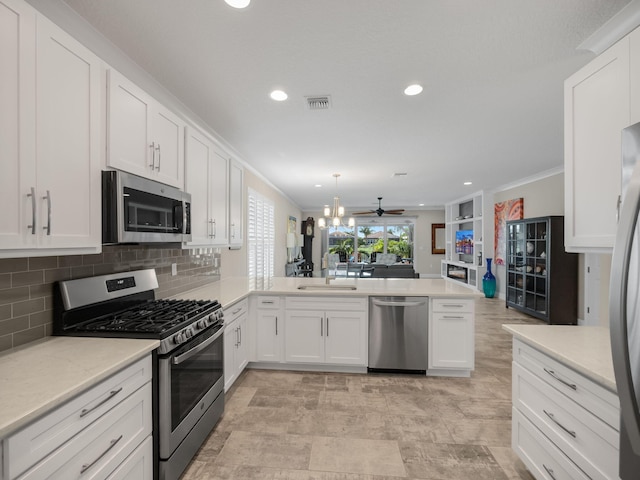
(492, 70)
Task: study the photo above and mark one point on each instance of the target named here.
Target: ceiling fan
(380, 210)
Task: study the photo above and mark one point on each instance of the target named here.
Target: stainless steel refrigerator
(624, 306)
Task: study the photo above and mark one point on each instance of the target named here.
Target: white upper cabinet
(144, 138)
(17, 121)
(206, 181)
(597, 108)
(236, 203)
(51, 123)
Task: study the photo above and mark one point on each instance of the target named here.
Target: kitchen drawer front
(586, 440)
(264, 301)
(541, 457)
(98, 450)
(233, 312)
(138, 465)
(34, 442)
(449, 305)
(327, 303)
(595, 398)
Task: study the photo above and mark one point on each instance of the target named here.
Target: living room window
(260, 239)
(373, 236)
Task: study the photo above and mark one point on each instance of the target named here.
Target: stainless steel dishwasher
(398, 333)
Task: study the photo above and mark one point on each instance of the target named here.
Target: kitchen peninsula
(297, 323)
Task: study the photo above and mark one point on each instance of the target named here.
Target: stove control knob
(178, 338)
(188, 333)
(200, 324)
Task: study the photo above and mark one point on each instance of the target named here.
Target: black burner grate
(154, 316)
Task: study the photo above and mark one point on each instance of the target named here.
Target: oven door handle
(187, 355)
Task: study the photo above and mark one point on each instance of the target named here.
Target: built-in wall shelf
(466, 264)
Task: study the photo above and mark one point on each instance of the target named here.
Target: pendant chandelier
(333, 216)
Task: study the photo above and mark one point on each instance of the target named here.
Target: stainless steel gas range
(188, 366)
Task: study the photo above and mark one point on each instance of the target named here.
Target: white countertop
(40, 376)
(585, 349)
(230, 290)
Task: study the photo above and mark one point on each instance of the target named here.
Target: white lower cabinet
(94, 436)
(236, 340)
(564, 425)
(451, 335)
(326, 330)
(269, 329)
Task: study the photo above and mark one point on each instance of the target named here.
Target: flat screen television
(464, 242)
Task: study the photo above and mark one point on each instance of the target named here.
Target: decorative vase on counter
(489, 281)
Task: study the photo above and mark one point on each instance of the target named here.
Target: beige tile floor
(323, 426)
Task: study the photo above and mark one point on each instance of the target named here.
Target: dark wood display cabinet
(542, 279)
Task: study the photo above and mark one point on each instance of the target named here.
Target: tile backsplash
(26, 284)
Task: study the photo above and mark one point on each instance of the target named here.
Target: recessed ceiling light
(238, 3)
(317, 185)
(278, 95)
(414, 89)
(467, 183)
(421, 204)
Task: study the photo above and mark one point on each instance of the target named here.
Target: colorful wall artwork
(504, 211)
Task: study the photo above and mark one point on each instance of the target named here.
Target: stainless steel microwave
(138, 210)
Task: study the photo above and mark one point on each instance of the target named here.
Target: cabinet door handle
(112, 444)
(553, 419)
(618, 203)
(237, 337)
(549, 472)
(327, 326)
(321, 327)
(233, 230)
(48, 199)
(112, 393)
(240, 331)
(214, 230)
(33, 210)
(159, 153)
(572, 386)
(276, 325)
(153, 155)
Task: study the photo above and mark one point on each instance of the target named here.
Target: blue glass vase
(489, 281)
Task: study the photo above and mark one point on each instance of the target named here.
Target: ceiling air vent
(321, 102)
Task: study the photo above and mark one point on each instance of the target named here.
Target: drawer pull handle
(113, 393)
(553, 419)
(87, 466)
(236, 311)
(572, 386)
(452, 316)
(455, 305)
(549, 471)
(267, 302)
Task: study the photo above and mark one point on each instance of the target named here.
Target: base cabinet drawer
(543, 459)
(588, 441)
(36, 441)
(138, 465)
(98, 450)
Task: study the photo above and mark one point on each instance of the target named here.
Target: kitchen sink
(327, 287)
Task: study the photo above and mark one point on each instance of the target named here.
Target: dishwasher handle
(386, 303)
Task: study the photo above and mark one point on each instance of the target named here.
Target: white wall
(234, 262)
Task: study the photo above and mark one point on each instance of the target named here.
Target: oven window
(146, 212)
(191, 379)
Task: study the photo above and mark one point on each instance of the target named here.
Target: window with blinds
(260, 239)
